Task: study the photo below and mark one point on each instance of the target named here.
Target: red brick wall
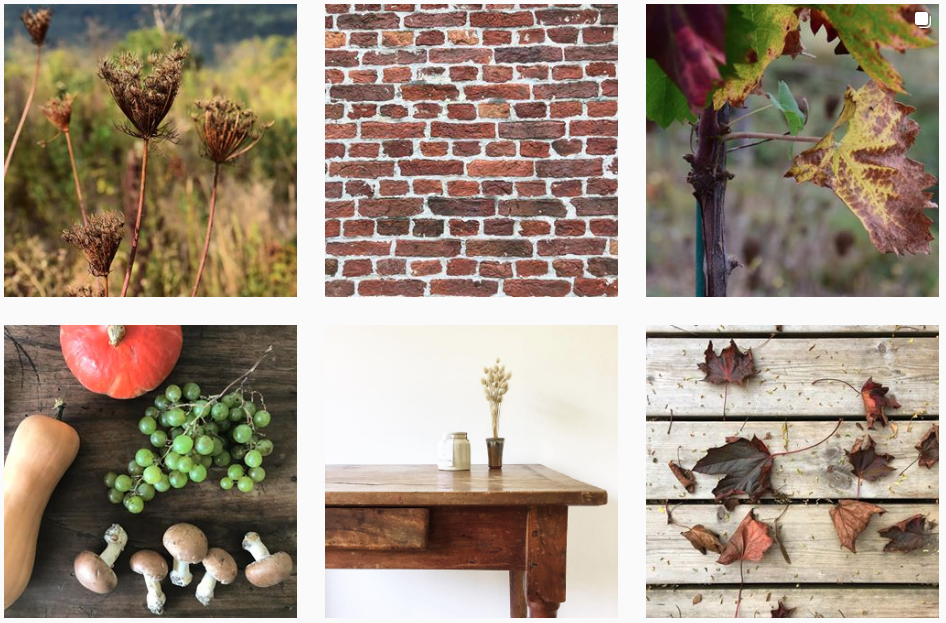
(471, 150)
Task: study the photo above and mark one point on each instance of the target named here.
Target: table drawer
(376, 528)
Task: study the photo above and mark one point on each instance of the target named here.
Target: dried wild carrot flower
(145, 100)
(37, 24)
(59, 111)
(225, 129)
(81, 291)
(98, 241)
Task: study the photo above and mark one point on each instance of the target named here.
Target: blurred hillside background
(795, 239)
(244, 52)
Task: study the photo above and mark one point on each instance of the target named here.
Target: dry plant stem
(210, 224)
(837, 426)
(141, 205)
(909, 466)
(75, 175)
(26, 110)
(105, 285)
(837, 381)
(772, 137)
(739, 596)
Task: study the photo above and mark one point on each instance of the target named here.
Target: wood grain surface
(909, 366)
(78, 514)
(424, 485)
(376, 528)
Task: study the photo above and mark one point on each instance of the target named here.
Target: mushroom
(221, 568)
(187, 545)
(269, 569)
(154, 568)
(95, 572)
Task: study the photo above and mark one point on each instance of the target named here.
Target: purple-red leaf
(749, 542)
(908, 535)
(867, 463)
(875, 400)
(746, 464)
(685, 477)
(731, 366)
(782, 612)
(929, 447)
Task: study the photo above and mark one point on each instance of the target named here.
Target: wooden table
(79, 513)
(783, 408)
(416, 517)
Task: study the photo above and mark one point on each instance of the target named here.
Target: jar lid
(456, 435)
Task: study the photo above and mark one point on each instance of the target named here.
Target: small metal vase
(494, 447)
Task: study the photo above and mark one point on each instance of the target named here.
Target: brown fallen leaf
(703, 539)
(868, 463)
(875, 402)
(910, 534)
(731, 366)
(850, 518)
(929, 447)
(685, 477)
(782, 612)
(750, 541)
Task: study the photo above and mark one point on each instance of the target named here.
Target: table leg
(546, 530)
(517, 595)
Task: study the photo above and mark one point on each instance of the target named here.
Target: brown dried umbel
(58, 110)
(145, 100)
(98, 241)
(226, 130)
(37, 24)
(81, 291)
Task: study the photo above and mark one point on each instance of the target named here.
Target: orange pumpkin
(121, 361)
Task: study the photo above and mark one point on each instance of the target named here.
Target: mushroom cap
(150, 563)
(186, 542)
(269, 571)
(220, 565)
(94, 574)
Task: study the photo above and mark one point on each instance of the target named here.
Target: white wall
(392, 393)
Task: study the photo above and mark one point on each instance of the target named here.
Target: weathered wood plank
(799, 475)
(424, 485)
(909, 366)
(791, 329)
(851, 602)
(809, 537)
(376, 528)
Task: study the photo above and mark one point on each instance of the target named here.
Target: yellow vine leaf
(869, 171)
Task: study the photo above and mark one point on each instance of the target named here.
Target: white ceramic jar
(454, 453)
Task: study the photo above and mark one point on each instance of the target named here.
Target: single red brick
(461, 112)
(357, 268)
(530, 189)
(333, 228)
(397, 74)
(392, 287)
(496, 187)
(443, 206)
(428, 228)
(462, 287)
(331, 267)
(596, 206)
(334, 76)
(363, 150)
(498, 227)
(496, 270)
(397, 38)
(362, 247)
(501, 148)
(359, 188)
(463, 188)
(375, 208)
(427, 248)
(531, 110)
(568, 268)
(534, 228)
(466, 148)
(566, 90)
(447, 56)
(567, 147)
(362, 93)
(390, 266)
(500, 20)
(429, 92)
(593, 128)
(412, 168)
(337, 150)
(339, 209)
(534, 149)
(567, 72)
(499, 248)
(363, 76)
(533, 207)
(402, 8)
(400, 57)
(497, 91)
(363, 39)
(603, 266)
(497, 73)
(601, 146)
(338, 58)
(533, 72)
(428, 187)
(393, 227)
(609, 14)
(601, 69)
(534, 35)
(362, 111)
(597, 35)
(361, 169)
(337, 8)
(422, 268)
(569, 168)
(429, 37)
(531, 268)
(333, 190)
(461, 74)
(463, 130)
(572, 246)
(565, 109)
(433, 150)
(531, 54)
(602, 186)
(459, 266)
(497, 37)
(334, 39)
(394, 188)
(557, 17)
(463, 37)
(393, 111)
(536, 287)
(380, 129)
(500, 168)
(339, 288)
(398, 149)
(593, 53)
(464, 228)
(427, 110)
(568, 188)
(596, 287)
(564, 227)
(609, 88)
(434, 20)
(604, 227)
(494, 111)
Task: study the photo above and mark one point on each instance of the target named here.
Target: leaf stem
(210, 224)
(749, 114)
(741, 582)
(768, 136)
(838, 381)
(810, 447)
(910, 465)
(141, 206)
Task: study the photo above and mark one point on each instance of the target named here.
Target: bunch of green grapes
(190, 434)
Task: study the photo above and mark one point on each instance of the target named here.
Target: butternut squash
(42, 450)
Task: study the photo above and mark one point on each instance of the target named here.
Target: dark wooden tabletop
(78, 514)
(420, 485)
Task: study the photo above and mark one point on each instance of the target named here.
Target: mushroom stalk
(181, 573)
(205, 590)
(155, 595)
(255, 547)
(117, 538)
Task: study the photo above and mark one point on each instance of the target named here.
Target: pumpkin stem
(116, 333)
(59, 406)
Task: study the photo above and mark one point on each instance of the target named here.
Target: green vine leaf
(786, 103)
(666, 103)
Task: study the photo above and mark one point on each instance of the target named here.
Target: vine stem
(141, 206)
(75, 175)
(749, 114)
(210, 224)
(732, 136)
(813, 446)
(26, 110)
(838, 381)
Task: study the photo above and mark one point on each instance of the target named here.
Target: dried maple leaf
(908, 535)
(685, 477)
(703, 539)
(929, 447)
(749, 542)
(867, 464)
(875, 400)
(731, 366)
(746, 464)
(869, 171)
(782, 612)
(850, 518)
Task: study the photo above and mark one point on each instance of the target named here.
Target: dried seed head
(37, 24)
(98, 241)
(59, 111)
(226, 129)
(145, 100)
(81, 291)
